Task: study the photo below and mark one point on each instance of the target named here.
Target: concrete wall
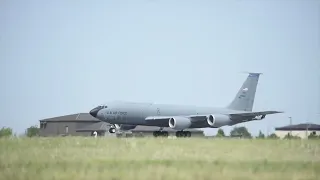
(301, 134)
(63, 128)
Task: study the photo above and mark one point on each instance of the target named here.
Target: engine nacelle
(179, 123)
(218, 120)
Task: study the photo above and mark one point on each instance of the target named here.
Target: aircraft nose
(94, 112)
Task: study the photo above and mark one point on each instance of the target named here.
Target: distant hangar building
(83, 124)
(300, 130)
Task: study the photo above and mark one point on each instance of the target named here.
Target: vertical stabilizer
(245, 97)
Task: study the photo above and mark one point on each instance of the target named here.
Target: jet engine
(218, 120)
(179, 123)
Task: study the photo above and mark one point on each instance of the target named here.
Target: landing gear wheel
(165, 134)
(155, 134)
(179, 133)
(183, 134)
(112, 130)
(160, 133)
(188, 133)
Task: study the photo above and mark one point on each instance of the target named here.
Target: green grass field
(147, 158)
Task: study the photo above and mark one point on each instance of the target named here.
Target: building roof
(155, 128)
(300, 127)
(99, 126)
(72, 117)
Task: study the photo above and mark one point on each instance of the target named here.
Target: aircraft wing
(192, 117)
(201, 119)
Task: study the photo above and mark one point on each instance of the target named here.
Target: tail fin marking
(245, 97)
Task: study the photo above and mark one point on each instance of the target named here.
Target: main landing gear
(183, 134)
(166, 134)
(160, 134)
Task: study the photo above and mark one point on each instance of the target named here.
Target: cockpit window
(102, 106)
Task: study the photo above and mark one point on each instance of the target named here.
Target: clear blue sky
(61, 57)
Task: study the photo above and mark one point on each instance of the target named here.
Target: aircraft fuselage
(136, 113)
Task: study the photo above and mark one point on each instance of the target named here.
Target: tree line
(29, 132)
(241, 132)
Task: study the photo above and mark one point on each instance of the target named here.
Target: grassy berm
(76, 158)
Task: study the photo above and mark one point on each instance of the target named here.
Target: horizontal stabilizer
(258, 113)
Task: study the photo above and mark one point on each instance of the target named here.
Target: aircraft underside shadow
(159, 133)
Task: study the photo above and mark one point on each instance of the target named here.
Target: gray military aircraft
(127, 115)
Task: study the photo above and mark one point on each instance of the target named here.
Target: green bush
(32, 131)
(313, 135)
(289, 136)
(261, 135)
(5, 132)
(273, 136)
(220, 133)
(240, 131)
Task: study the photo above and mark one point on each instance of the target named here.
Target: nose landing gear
(112, 130)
